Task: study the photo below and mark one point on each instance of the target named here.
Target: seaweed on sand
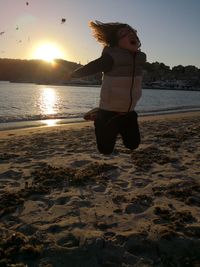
(145, 158)
(55, 177)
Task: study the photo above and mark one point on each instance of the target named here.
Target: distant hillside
(38, 71)
(35, 71)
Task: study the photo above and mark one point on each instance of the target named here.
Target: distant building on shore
(171, 84)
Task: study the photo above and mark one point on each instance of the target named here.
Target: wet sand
(64, 204)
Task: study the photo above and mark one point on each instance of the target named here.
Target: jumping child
(122, 65)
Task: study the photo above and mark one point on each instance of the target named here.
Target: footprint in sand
(80, 163)
(84, 204)
(41, 201)
(119, 199)
(27, 229)
(122, 184)
(77, 203)
(141, 182)
(99, 188)
(139, 204)
(176, 218)
(23, 160)
(104, 226)
(96, 156)
(54, 229)
(7, 156)
(127, 166)
(11, 174)
(62, 200)
(70, 241)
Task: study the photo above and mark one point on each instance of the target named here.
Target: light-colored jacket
(122, 86)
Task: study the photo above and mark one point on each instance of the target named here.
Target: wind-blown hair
(107, 33)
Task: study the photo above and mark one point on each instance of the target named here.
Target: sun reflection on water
(47, 104)
(48, 99)
(53, 122)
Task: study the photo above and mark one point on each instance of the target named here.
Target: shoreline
(59, 122)
(61, 201)
(99, 85)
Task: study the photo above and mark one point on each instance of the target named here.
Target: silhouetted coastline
(156, 76)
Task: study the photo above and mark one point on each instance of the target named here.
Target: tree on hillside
(156, 71)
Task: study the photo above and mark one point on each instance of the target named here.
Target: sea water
(23, 104)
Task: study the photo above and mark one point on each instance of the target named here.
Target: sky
(168, 29)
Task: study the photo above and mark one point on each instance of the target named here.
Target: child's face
(128, 40)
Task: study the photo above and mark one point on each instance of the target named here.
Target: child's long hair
(107, 33)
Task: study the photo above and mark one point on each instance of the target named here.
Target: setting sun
(48, 52)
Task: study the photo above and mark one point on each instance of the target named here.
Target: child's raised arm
(101, 64)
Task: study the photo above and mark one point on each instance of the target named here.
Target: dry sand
(64, 204)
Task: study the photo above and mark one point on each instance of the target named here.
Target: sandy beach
(64, 204)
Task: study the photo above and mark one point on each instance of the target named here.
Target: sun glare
(48, 52)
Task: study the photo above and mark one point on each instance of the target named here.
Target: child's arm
(102, 64)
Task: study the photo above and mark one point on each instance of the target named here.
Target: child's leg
(129, 130)
(106, 130)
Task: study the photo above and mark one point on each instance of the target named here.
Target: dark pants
(109, 124)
